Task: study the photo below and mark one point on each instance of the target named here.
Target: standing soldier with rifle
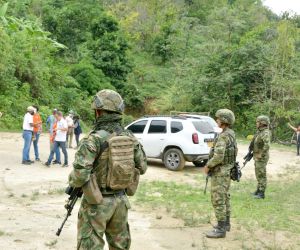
(222, 159)
(261, 146)
(107, 166)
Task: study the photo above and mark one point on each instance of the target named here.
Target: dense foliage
(187, 55)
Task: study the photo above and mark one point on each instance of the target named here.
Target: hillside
(193, 55)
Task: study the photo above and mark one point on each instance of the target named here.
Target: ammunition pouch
(92, 192)
(235, 172)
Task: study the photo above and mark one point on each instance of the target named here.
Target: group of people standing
(61, 132)
(221, 161)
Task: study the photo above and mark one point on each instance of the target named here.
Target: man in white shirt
(70, 133)
(27, 135)
(59, 140)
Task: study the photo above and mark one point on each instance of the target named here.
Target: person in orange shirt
(37, 130)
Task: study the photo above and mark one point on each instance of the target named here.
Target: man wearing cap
(27, 135)
(261, 149)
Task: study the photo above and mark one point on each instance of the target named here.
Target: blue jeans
(35, 145)
(27, 136)
(57, 152)
(56, 146)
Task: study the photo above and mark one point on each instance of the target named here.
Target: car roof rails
(189, 113)
(167, 116)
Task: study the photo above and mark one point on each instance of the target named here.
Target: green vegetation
(59, 191)
(279, 211)
(34, 196)
(190, 55)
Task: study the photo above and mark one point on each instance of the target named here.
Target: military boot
(219, 232)
(260, 195)
(227, 224)
(256, 192)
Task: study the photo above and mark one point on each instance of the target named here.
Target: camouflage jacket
(223, 153)
(261, 145)
(87, 159)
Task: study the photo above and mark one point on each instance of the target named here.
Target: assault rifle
(74, 194)
(249, 155)
(207, 177)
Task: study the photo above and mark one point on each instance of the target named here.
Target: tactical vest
(115, 168)
(230, 151)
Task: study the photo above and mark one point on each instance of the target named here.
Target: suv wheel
(200, 164)
(173, 159)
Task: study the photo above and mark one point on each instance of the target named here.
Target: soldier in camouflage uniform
(261, 148)
(111, 216)
(222, 158)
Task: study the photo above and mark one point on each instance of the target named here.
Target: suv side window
(157, 126)
(176, 127)
(203, 127)
(138, 127)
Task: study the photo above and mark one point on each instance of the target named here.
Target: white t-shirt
(69, 121)
(61, 135)
(28, 118)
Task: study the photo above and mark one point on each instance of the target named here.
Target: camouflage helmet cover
(263, 119)
(108, 100)
(226, 116)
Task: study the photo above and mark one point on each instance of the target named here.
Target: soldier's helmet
(263, 119)
(108, 100)
(226, 116)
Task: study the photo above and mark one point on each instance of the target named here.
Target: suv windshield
(203, 127)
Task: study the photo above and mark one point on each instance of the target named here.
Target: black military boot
(218, 232)
(260, 195)
(256, 192)
(227, 224)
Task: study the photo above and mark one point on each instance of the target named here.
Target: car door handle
(161, 139)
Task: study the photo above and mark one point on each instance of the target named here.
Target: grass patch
(35, 195)
(54, 191)
(2, 233)
(51, 243)
(279, 211)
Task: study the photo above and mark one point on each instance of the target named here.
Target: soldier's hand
(206, 169)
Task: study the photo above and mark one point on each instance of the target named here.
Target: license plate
(210, 144)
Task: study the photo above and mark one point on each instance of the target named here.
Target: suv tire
(200, 164)
(174, 159)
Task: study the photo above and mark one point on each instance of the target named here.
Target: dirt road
(31, 203)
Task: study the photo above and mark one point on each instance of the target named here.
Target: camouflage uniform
(261, 156)
(111, 216)
(222, 161)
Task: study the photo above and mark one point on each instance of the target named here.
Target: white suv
(175, 139)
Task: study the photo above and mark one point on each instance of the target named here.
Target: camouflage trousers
(109, 218)
(220, 196)
(261, 175)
